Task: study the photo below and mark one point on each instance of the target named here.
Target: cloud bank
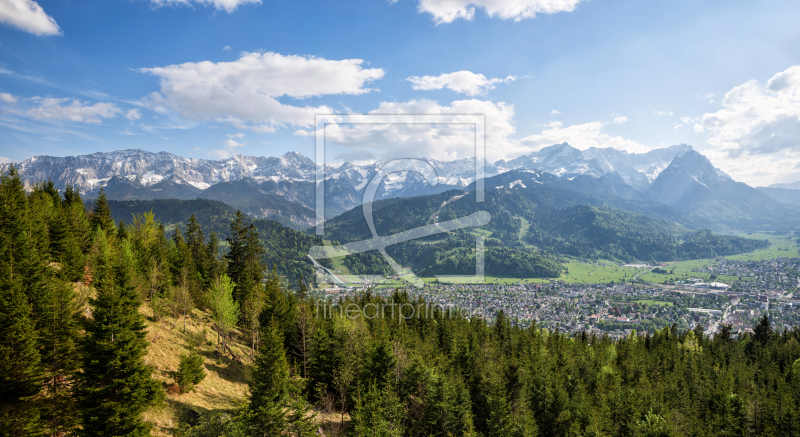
(462, 82)
(447, 11)
(27, 15)
(244, 92)
(57, 109)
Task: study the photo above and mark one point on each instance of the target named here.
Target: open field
(782, 247)
(592, 273)
(488, 280)
(654, 302)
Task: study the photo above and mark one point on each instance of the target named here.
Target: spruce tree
(60, 337)
(101, 213)
(277, 405)
(21, 374)
(215, 265)
(270, 386)
(116, 386)
(190, 371)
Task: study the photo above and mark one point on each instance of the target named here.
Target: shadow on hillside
(188, 414)
(226, 367)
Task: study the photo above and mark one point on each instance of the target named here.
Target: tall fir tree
(21, 375)
(277, 405)
(101, 213)
(245, 258)
(116, 386)
(270, 386)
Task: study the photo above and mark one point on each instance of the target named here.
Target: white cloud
(232, 143)
(710, 97)
(229, 144)
(4, 160)
(580, 136)
(133, 114)
(7, 98)
(757, 131)
(447, 11)
(620, 119)
(464, 81)
(27, 15)
(555, 111)
(197, 149)
(227, 5)
(302, 133)
(244, 92)
(663, 113)
(221, 154)
(698, 128)
(76, 111)
(226, 48)
(443, 142)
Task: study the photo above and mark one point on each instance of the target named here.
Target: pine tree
(195, 240)
(60, 338)
(116, 386)
(763, 331)
(21, 374)
(378, 413)
(270, 386)
(101, 213)
(245, 258)
(214, 264)
(190, 371)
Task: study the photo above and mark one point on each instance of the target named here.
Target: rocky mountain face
(637, 170)
(283, 188)
(693, 185)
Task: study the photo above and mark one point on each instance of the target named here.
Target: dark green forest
(287, 248)
(395, 367)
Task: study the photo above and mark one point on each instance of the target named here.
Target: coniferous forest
(73, 339)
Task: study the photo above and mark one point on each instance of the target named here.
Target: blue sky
(209, 78)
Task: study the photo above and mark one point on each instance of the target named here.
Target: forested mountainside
(72, 338)
(285, 248)
(532, 225)
(244, 194)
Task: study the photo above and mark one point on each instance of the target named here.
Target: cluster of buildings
(766, 287)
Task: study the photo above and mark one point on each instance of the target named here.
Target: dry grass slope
(225, 385)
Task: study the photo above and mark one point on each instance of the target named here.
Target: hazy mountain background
(676, 183)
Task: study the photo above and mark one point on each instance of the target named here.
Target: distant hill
(536, 223)
(789, 186)
(287, 248)
(244, 194)
(783, 195)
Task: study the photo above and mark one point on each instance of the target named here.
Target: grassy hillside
(225, 385)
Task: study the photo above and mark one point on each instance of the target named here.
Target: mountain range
(283, 188)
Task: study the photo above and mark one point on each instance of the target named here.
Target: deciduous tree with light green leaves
(224, 309)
